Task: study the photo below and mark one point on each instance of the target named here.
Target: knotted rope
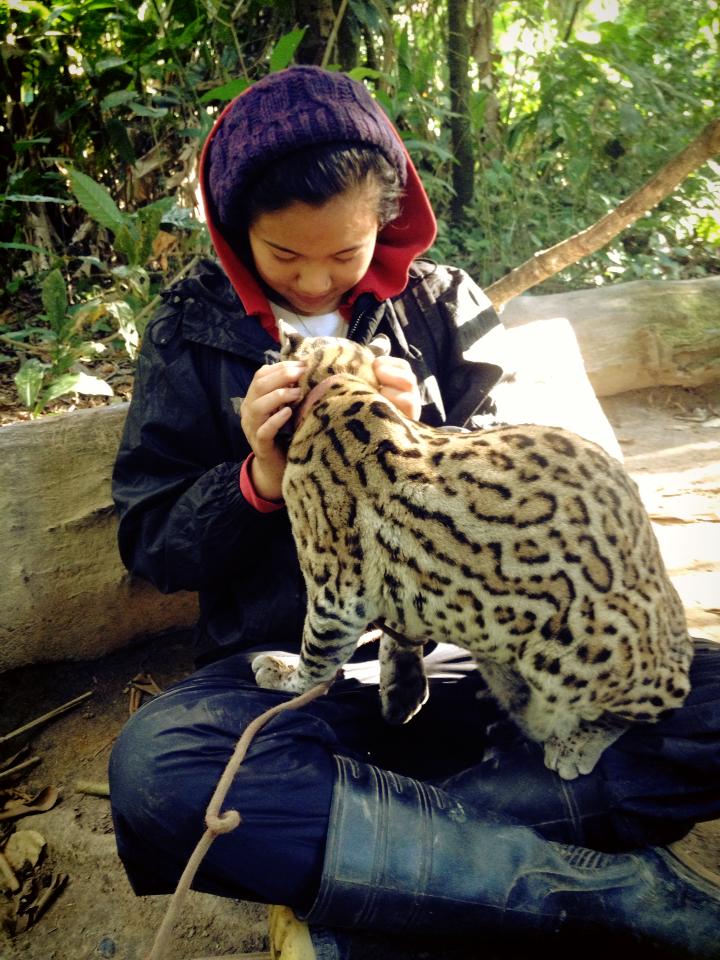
(218, 822)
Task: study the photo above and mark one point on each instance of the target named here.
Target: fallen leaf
(24, 847)
(35, 900)
(43, 801)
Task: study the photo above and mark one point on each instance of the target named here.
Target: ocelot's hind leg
(403, 684)
(577, 752)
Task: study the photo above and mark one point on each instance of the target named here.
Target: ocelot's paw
(562, 757)
(274, 673)
(578, 752)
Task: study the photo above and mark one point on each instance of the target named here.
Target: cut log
(64, 593)
(640, 334)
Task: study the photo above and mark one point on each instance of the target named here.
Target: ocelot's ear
(290, 339)
(380, 345)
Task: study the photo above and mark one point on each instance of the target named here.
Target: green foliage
(108, 103)
(40, 383)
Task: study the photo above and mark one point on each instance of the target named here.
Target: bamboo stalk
(18, 768)
(46, 716)
(93, 789)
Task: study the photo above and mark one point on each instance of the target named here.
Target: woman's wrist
(267, 483)
(257, 497)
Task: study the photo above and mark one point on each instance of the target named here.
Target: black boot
(405, 857)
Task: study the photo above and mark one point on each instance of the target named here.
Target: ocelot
(527, 546)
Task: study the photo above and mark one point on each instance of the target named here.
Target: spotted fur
(527, 546)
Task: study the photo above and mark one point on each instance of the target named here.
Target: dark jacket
(184, 523)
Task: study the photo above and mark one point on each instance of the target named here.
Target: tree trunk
(646, 333)
(347, 43)
(481, 52)
(548, 262)
(463, 173)
(319, 18)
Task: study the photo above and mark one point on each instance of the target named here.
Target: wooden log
(640, 334)
(64, 593)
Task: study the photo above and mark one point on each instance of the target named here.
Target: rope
(218, 822)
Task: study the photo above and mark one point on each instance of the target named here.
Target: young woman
(444, 825)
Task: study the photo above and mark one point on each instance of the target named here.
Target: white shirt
(323, 325)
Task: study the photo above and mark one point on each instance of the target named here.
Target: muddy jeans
(650, 787)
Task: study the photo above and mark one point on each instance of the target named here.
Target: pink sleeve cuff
(248, 491)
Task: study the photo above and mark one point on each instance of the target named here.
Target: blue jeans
(650, 787)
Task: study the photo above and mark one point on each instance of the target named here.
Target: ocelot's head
(331, 356)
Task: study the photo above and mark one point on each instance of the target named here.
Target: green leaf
(108, 63)
(127, 241)
(228, 91)
(54, 298)
(96, 201)
(430, 146)
(29, 381)
(140, 110)
(116, 99)
(67, 383)
(284, 50)
(20, 146)
(364, 73)
(30, 247)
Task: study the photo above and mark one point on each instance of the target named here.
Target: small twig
(27, 347)
(46, 716)
(149, 307)
(333, 33)
(103, 746)
(92, 788)
(13, 771)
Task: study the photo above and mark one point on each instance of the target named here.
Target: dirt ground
(671, 440)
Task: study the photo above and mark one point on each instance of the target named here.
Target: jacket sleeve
(460, 343)
(183, 519)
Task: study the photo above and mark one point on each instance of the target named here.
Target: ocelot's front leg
(330, 635)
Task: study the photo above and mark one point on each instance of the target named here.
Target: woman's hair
(317, 173)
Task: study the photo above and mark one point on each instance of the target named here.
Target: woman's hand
(398, 384)
(265, 409)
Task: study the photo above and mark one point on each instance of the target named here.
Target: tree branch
(548, 262)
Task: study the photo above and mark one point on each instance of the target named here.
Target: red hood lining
(398, 243)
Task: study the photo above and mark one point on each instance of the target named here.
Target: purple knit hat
(295, 108)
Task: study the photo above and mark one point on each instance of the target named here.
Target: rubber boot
(405, 857)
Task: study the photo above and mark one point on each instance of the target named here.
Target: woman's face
(311, 256)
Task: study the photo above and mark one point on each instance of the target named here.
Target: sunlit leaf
(228, 91)
(29, 381)
(364, 73)
(284, 50)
